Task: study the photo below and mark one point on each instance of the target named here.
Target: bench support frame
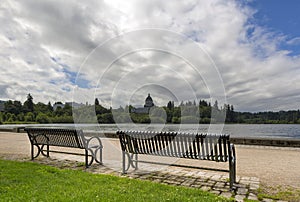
(133, 144)
(40, 138)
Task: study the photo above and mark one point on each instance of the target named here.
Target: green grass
(29, 181)
(20, 122)
(279, 193)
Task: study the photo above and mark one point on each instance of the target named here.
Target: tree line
(186, 112)
(15, 112)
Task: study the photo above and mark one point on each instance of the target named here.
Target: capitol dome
(149, 101)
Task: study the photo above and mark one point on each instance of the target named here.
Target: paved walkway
(215, 182)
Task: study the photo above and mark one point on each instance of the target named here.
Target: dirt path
(272, 165)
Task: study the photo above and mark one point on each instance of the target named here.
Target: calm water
(235, 130)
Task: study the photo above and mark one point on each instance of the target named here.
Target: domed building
(149, 102)
(145, 110)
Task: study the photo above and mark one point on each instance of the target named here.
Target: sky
(245, 53)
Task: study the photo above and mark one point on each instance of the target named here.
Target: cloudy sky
(245, 54)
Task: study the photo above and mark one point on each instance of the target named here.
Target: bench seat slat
(193, 146)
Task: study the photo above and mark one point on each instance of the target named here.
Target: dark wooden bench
(61, 137)
(175, 144)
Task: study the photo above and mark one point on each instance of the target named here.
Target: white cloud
(294, 41)
(43, 45)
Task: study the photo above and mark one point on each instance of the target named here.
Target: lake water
(235, 130)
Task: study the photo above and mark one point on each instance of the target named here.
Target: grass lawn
(29, 181)
(279, 193)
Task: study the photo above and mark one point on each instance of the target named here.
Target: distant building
(144, 110)
(2, 108)
(58, 104)
(74, 105)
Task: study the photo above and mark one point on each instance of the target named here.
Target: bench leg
(232, 165)
(100, 152)
(32, 152)
(47, 151)
(93, 153)
(86, 158)
(232, 173)
(136, 162)
(97, 158)
(130, 161)
(39, 150)
(123, 162)
(231, 179)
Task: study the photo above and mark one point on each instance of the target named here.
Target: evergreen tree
(96, 101)
(28, 104)
(49, 106)
(216, 106)
(169, 105)
(13, 107)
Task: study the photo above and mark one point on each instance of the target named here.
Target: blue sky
(244, 54)
(281, 17)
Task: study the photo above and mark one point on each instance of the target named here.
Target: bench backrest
(176, 144)
(56, 137)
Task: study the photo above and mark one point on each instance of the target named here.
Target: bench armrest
(87, 142)
(32, 138)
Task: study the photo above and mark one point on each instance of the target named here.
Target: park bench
(175, 144)
(61, 137)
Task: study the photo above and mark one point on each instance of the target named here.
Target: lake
(235, 130)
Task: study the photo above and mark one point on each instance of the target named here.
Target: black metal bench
(41, 137)
(181, 145)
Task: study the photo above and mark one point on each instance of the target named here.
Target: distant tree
(96, 101)
(216, 106)
(18, 107)
(177, 112)
(49, 106)
(101, 110)
(170, 105)
(67, 110)
(13, 107)
(12, 118)
(29, 117)
(128, 108)
(3, 117)
(20, 117)
(28, 104)
(188, 103)
(42, 118)
(175, 120)
(40, 107)
(105, 118)
(7, 117)
(203, 103)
